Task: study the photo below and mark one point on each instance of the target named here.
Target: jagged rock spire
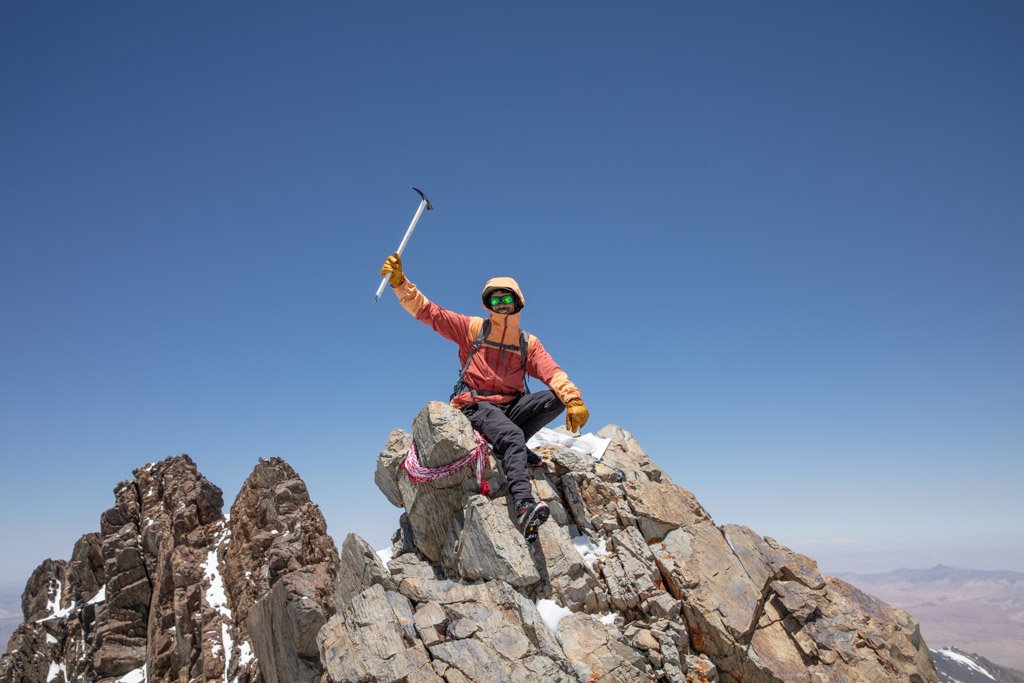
(170, 588)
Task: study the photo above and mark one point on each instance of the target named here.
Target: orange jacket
(495, 374)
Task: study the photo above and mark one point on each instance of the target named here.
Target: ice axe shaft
(424, 204)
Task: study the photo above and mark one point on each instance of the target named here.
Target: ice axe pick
(424, 204)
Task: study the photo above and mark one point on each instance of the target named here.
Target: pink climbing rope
(418, 473)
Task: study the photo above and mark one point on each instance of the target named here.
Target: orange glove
(392, 268)
(576, 415)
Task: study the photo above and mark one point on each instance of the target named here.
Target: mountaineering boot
(530, 516)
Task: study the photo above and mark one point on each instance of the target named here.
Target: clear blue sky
(781, 243)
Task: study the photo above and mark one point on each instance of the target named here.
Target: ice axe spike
(424, 204)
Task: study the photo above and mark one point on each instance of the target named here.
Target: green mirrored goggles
(507, 299)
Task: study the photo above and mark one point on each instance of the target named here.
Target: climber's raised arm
(450, 325)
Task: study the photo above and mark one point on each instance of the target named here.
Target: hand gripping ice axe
(424, 204)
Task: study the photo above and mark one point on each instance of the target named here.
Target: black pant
(509, 427)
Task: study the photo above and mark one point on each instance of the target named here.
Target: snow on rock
(100, 596)
(386, 555)
(53, 604)
(215, 595)
(590, 552)
(245, 653)
(134, 676)
(56, 670)
(964, 661)
(552, 613)
(225, 636)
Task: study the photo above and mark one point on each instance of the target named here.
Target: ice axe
(424, 204)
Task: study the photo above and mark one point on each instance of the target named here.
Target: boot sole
(532, 523)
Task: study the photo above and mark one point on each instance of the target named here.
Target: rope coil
(419, 474)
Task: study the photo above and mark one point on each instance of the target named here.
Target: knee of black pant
(553, 406)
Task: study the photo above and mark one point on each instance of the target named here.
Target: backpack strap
(524, 350)
(460, 386)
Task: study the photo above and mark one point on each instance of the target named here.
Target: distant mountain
(971, 610)
(938, 573)
(10, 611)
(961, 667)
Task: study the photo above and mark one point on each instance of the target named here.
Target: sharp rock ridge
(630, 580)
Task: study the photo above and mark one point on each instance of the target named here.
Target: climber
(496, 356)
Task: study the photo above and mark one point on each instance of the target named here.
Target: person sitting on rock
(496, 356)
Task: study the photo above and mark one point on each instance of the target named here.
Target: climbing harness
(419, 474)
(481, 340)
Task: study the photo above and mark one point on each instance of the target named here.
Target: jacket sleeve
(541, 365)
(452, 326)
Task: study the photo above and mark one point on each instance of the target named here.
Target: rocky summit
(630, 580)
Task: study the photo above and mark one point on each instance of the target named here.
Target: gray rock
(360, 568)
(795, 626)
(700, 669)
(567, 576)
(430, 620)
(443, 435)
(595, 504)
(598, 652)
(284, 625)
(545, 490)
(431, 512)
(565, 460)
(486, 545)
(661, 506)
(625, 455)
(631, 573)
(374, 639)
(389, 464)
(661, 606)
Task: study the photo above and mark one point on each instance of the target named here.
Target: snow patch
(608, 619)
(56, 670)
(965, 661)
(588, 551)
(245, 653)
(552, 613)
(386, 555)
(215, 595)
(53, 604)
(225, 637)
(50, 640)
(135, 676)
(100, 596)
